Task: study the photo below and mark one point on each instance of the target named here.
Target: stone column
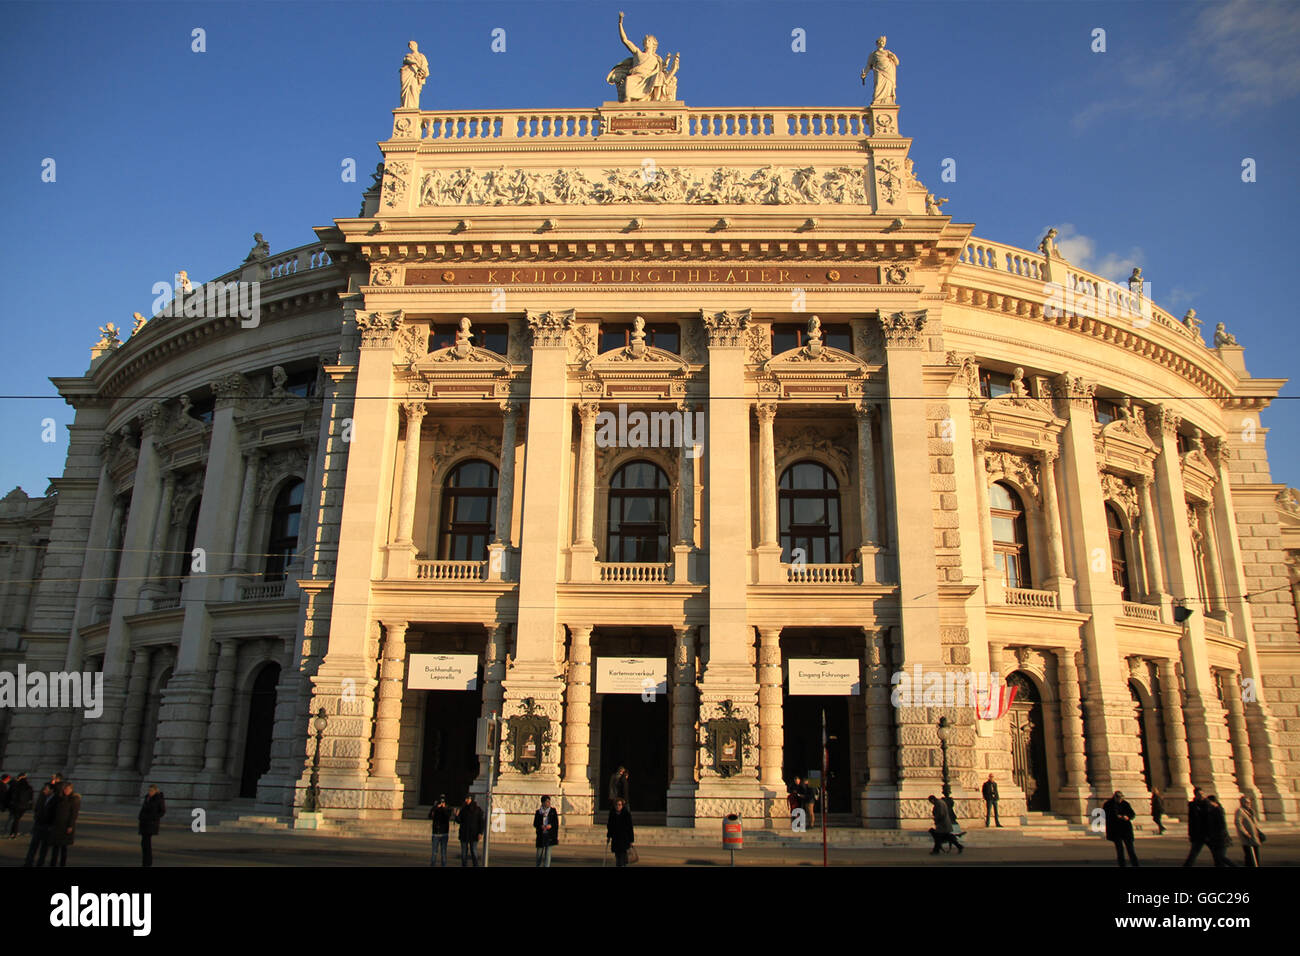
(583, 552)
(867, 499)
(494, 672)
(162, 526)
(879, 797)
(1151, 545)
(1171, 710)
(686, 496)
(765, 412)
(681, 791)
(1207, 743)
(388, 708)
(244, 561)
(137, 688)
(401, 552)
(219, 718)
(577, 723)
(1215, 605)
(1239, 736)
(1057, 579)
(994, 591)
(1074, 793)
(113, 559)
(500, 547)
(771, 729)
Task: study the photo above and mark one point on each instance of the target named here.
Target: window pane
(809, 511)
(667, 338)
(1004, 529)
(783, 341)
(613, 337)
(837, 337)
(1000, 498)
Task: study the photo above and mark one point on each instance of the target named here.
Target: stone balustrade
(821, 573)
(1030, 597)
(635, 573)
(450, 570)
(262, 592)
(1142, 612)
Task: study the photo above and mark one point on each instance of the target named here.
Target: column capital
(1163, 420)
(511, 409)
(765, 412)
(588, 411)
(414, 411)
(230, 389)
(582, 631)
(903, 330)
(548, 328)
(1070, 389)
(981, 446)
(395, 629)
(769, 635)
(378, 329)
(725, 328)
(866, 412)
(1046, 456)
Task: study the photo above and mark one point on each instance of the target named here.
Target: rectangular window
(994, 384)
(791, 335)
(301, 384)
(494, 338)
(1105, 410)
(660, 335)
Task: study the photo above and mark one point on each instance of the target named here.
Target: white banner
(833, 677)
(632, 675)
(442, 672)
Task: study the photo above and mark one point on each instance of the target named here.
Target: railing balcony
(168, 603)
(262, 592)
(821, 573)
(1029, 597)
(450, 570)
(1142, 612)
(635, 573)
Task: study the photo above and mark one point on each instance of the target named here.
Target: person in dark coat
(990, 793)
(618, 787)
(151, 814)
(41, 820)
(1195, 825)
(469, 820)
(1216, 831)
(63, 827)
(1157, 808)
(547, 824)
(619, 833)
(1119, 827)
(1248, 830)
(441, 818)
(20, 801)
(945, 825)
(4, 792)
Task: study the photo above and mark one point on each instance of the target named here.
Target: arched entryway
(1028, 743)
(261, 726)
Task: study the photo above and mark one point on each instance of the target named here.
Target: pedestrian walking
(151, 814)
(619, 833)
(1119, 827)
(42, 817)
(944, 826)
(618, 788)
(63, 827)
(990, 794)
(547, 824)
(20, 801)
(1216, 831)
(808, 801)
(5, 780)
(469, 821)
(1195, 825)
(1157, 808)
(794, 795)
(1248, 830)
(441, 818)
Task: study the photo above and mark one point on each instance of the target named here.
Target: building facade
(720, 392)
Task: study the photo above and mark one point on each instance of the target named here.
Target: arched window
(1010, 540)
(282, 542)
(191, 532)
(1118, 555)
(469, 512)
(639, 506)
(809, 501)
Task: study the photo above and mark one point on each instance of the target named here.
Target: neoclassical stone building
(914, 448)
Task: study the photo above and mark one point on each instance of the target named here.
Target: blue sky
(170, 159)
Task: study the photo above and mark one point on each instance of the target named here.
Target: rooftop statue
(1192, 322)
(137, 322)
(415, 70)
(1047, 245)
(261, 249)
(108, 337)
(1135, 281)
(645, 75)
(885, 65)
(1223, 337)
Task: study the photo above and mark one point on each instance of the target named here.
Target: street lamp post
(312, 801)
(945, 732)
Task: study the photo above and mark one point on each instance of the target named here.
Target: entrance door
(802, 755)
(1028, 747)
(634, 733)
(449, 763)
(261, 725)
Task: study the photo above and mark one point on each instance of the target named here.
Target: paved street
(111, 840)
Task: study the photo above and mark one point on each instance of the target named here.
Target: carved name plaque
(645, 273)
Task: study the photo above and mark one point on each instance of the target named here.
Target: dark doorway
(261, 726)
(634, 733)
(1028, 745)
(1143, 744)
(802, 754)
(450, 765)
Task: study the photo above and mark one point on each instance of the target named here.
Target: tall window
(660, 335)
(639, 505)
(788, 335)
(283, 542)
(1118, 556)
(191, 532)
(1010, 541)
(809, 501)
(469, 512)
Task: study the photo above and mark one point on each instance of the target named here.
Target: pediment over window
(1123, 446)
(455, 355)
(806, 357)
(630, 356)
(1018, 422)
